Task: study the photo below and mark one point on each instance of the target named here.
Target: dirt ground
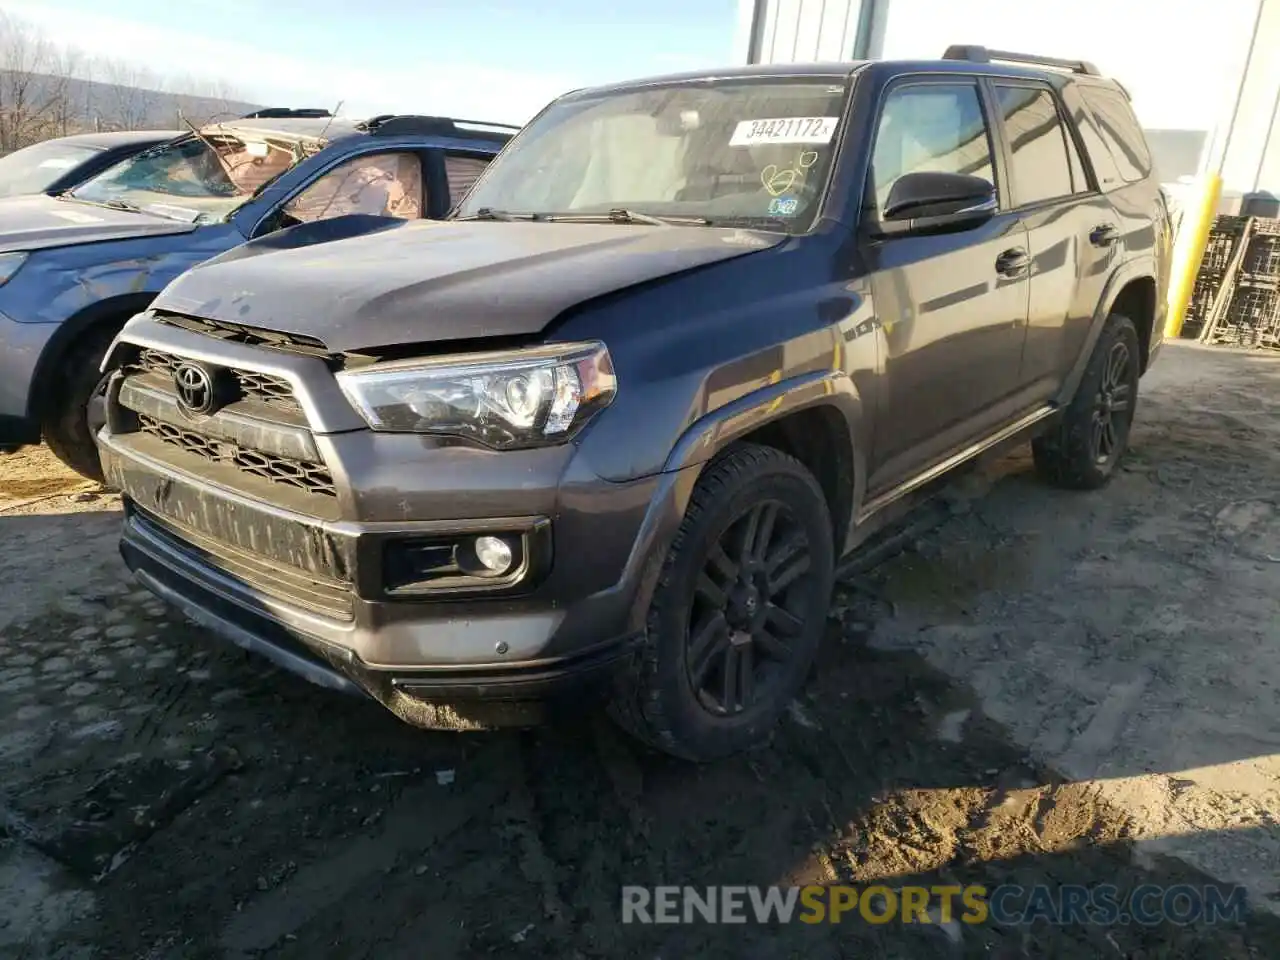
(1044, 688)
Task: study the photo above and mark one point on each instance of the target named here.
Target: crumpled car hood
(427, 280)
(39, 222)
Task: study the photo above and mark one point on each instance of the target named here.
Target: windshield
(190, 179)
(743, 150)
(34, 169)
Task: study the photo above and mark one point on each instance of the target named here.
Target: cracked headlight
(9, 265)
(510, 399)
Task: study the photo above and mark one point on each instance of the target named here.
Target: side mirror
(932, 201)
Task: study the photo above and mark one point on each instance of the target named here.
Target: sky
(495, 60)
(1181, 59)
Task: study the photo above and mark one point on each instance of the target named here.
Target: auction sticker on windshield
(784, 130)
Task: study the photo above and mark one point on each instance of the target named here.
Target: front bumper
(303, 578)
(477, 697)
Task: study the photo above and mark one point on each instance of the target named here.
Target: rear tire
(1082, 450)
(66, 425)
(738, 612)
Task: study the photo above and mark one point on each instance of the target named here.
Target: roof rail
(394, 124)
(280, 113)
(485, 124)
(975, 54)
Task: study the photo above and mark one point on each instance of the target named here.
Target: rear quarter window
(1120, 131)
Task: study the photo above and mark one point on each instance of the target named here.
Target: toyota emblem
(194, 385)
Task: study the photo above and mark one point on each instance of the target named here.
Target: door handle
(1104, 235)
(1013, 262)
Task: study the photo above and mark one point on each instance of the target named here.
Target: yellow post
(1189, 251)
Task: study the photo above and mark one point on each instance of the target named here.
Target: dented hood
(39, 222)
(429, 280)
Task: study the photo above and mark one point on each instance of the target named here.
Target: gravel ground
(1044, 689)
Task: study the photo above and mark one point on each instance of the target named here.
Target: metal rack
(1215, 269)
(1236, 299)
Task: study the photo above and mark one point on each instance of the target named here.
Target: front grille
(263, 387)
(252, 336)
(311, 477)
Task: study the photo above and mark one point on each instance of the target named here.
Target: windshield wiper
(488, 213)
(117, 204)
(623, 215)
(747, 222)
(114, 203)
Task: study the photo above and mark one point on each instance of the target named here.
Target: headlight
(9, 264)
(520, 398)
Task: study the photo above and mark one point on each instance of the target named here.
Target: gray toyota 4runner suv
(615, 424)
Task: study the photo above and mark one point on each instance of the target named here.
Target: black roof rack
(975, 54)
(281, 113)
(392, 124)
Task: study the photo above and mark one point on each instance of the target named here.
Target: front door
(952, 306)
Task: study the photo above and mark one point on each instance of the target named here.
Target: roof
(838, 69)
(123, 138)
(333, 128)
(841, 70)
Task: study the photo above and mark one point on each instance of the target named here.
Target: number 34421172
(784, 130)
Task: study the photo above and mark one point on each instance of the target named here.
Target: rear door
(952, 306)
(1114, 142)
(1072, 230)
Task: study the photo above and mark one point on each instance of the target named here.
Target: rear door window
(1039, 142)
(1120, 130)
(462, 170)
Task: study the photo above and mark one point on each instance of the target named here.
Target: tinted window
(462, 172)
(1104, 168)
(1038, 141)
(1079, 180)
(930, 127)
(1120, 130)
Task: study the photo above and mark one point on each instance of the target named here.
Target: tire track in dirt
(422, 817)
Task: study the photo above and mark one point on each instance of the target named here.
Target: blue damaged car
(75, 267)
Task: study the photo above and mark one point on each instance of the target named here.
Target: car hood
(430, 280)
(39, 222)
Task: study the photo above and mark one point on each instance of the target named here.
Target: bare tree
(51, 90)
(202, 100)
(131, 94)
(70, 65)
(33, 85)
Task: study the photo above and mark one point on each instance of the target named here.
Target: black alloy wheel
(752, 598)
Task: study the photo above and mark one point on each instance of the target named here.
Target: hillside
(38, 106)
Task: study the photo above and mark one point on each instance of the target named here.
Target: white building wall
(799, 31)
(1180, 59)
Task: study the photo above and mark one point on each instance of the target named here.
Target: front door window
(381, 185)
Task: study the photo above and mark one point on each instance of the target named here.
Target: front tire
(738, 612)
(69, 423)
(1082, 451)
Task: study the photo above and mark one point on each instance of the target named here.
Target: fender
(711, 434)
(114, 310)
(1137, 269)
(718, 428)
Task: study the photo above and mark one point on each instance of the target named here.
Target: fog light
(494, 553)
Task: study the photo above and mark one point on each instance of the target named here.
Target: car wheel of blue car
(67, 424)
